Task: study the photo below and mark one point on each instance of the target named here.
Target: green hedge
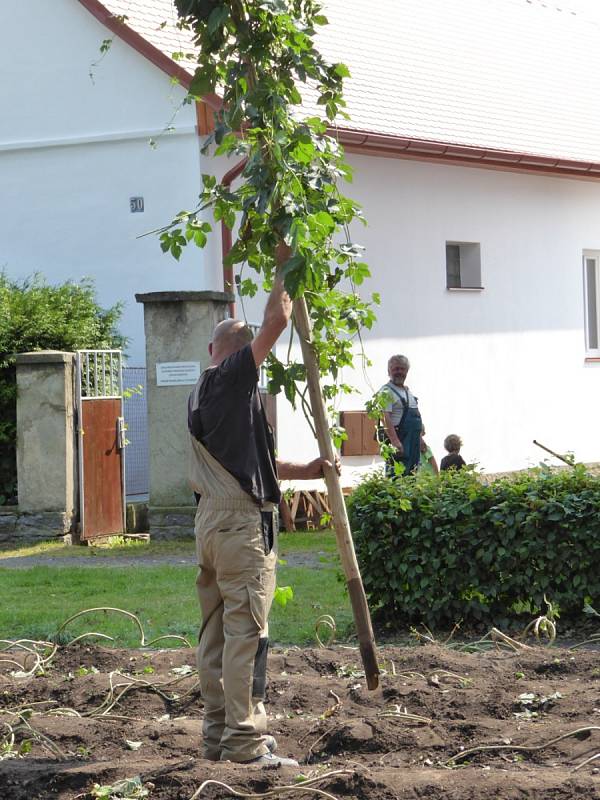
(442, 549)
(37, 316)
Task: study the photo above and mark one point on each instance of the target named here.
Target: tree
(36, 316)
(256, 54)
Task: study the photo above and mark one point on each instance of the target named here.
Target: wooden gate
(101, 441)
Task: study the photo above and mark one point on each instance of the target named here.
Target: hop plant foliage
(260, 57)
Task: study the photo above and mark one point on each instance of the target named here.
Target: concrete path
(311, 560)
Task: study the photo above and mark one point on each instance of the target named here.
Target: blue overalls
(409, 432)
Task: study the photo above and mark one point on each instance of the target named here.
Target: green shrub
(36, 316)
(441, 549)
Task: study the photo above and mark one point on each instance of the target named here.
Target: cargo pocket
(259, 602)
(259, 677)
(268, 536)
(260, 590)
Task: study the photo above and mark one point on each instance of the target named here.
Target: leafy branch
(260, 56)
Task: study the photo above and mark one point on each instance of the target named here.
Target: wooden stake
(556, 455)
(360, 608)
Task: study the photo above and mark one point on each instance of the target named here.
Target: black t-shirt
(225, 414)
(452, 460)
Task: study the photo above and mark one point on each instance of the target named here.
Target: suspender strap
(403, 400)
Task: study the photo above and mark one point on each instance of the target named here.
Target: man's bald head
(229, 336)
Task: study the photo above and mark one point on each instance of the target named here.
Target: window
(463, 265)
(591, 283)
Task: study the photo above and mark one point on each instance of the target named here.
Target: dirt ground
(321, 713)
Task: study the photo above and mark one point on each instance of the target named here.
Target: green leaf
(200, 238)
(283, 595)
(248, 288)
(357, 272)
(202, 83)
(342, 70)
(293, 273)
(303, 152)
(218, 17)
(325, 220)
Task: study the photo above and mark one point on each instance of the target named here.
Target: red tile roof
(496, 81)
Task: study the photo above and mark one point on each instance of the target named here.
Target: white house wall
(74, 150)
(499, 367)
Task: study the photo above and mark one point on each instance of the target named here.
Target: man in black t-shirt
(225, 410)
(234, 470)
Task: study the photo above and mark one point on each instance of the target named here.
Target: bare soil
(322, 714)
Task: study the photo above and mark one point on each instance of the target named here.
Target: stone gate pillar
(178, 328)
(46, 445)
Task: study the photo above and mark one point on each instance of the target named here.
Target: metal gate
(101, 439)
(135, 411)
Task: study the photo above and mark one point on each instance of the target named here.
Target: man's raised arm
(277, 312)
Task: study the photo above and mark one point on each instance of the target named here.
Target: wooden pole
(552, 453)
(360, 608)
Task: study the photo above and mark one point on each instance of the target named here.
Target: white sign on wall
(177, 373)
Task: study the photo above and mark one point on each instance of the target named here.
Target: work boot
(271, 760)
(268, 740)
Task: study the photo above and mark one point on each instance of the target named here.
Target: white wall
(74, 150)
(499, 367)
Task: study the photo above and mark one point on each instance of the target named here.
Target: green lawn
(300, 541)
(38, 599)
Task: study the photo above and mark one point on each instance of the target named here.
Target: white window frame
(469, 258)
(591, 352)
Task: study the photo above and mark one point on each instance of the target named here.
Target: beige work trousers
(236, 582)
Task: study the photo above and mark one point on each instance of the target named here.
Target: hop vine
(260, 57)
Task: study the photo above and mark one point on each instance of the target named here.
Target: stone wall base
(21, 527)
(171, 522)
(136, 518)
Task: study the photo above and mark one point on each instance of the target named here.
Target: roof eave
(370, 143)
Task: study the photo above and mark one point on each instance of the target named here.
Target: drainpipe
(226, 241)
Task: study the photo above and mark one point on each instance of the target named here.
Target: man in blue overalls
(402, 419)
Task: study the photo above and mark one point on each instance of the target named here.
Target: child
(427, 462)
(453, 460)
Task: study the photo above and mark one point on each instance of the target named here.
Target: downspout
(226, 240)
